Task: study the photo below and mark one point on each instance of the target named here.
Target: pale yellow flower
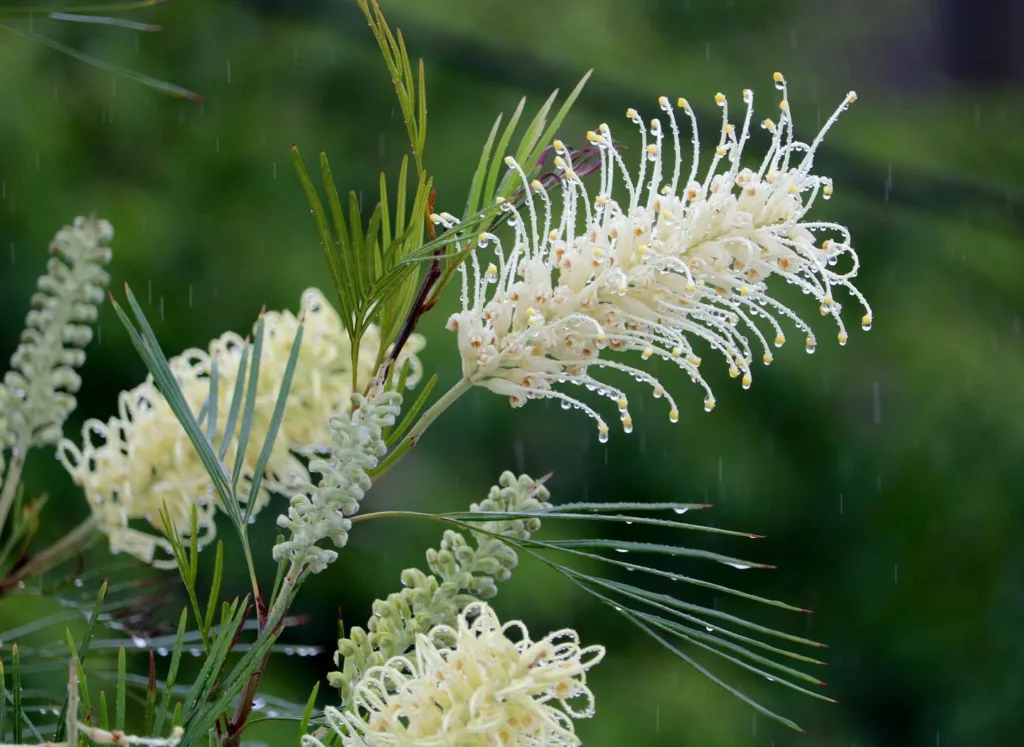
(676, 265)
(479, 684)
(142, 458)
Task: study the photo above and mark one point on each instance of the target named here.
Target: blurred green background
(887, 475)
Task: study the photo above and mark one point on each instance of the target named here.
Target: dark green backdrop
(886, 475)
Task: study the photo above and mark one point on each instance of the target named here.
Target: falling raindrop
(876, 402)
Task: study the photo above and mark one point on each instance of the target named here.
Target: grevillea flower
(142, 459)
(677, 263)
(480, 683)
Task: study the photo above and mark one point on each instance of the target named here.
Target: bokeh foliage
(886, 474)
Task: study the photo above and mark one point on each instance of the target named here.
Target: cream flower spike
(140, 460)
(674, 265)
(481, 683)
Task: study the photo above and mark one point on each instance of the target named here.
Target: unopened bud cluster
(320, 512)
(461, 574)
(38, 393)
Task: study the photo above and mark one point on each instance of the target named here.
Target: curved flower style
(675, 262)
(480, 683)
(144, 460)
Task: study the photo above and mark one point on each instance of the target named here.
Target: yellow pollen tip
(843, 338)
(682, 103)
(827, 189)
(721, 150)
(676, 352)
(570, 173)
(602, 336)
(768, 123)
(733, 371)
(632, 113)
(851, 96)
(690, 287)
(594, 137)
(663, 101)
(673, 415)
(793, 189)
(623, 403)
(652, 149)
(693, 360)
(602, 427)
(747, 381)
(536, 186)
(499, 200)
(784, 105)
(719, 98)
(777, 77)
(767, 358)
(780, 339)
(558, 145)
(510, 161)
(744, 290)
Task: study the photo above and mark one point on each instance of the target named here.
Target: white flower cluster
(675, 262)
(142, 459)
(320, 512)
(479, 684)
